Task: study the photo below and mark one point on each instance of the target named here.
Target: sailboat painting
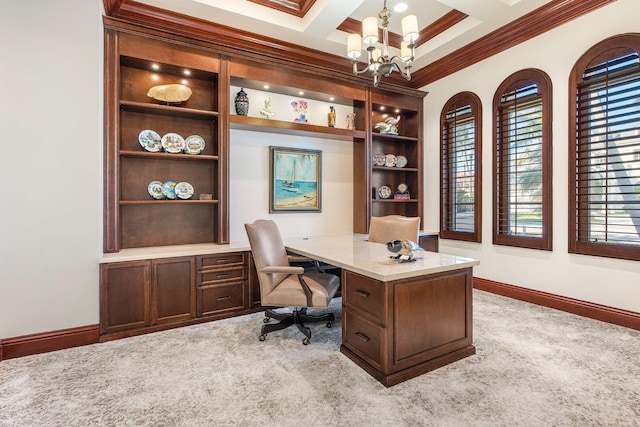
(295, 184)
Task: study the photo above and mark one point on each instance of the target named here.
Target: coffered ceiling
(462, 31)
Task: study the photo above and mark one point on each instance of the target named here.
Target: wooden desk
(399, 320)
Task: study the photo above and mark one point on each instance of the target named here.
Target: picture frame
(295, 182)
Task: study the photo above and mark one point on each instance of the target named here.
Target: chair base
(297, 317)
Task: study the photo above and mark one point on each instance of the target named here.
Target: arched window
(604, 150)
(460, 172)
(522, 161)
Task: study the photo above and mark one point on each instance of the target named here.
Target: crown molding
(541, 20)
(297, 8)
(232, 41)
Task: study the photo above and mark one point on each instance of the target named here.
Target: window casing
(460, 171)
(604, 142)
(522, 196)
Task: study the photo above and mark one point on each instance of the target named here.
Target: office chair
(385, 229)
(283, 285)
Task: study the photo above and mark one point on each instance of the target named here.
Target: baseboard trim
(28, 345)
(616, 316)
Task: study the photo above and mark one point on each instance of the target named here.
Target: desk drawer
(216, 298)
(206, 262)
(222, 275)
(363, 293)
(362, 337)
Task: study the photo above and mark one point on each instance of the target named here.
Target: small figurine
(331, 117)
(403, 247)
(300, 107)
(389, 126)
(266, 111)
(351, 121)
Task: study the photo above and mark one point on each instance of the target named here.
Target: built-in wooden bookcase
(133, 218)
(368, 177)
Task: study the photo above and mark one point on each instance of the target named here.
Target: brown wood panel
(166, 223)
(297, 8)
(429, 243)
(125, 300)
(224, 260)
(154, 49)
(616, 316)
(173, 290)
(43, 342)
(424, 329)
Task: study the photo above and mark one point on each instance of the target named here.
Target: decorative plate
(173, 143)
(150, 140)
(384, 192)
(171, 93)
(402, 188)
(379, 159)
(184, 190)
(390, 160)
(401, 161)
(169, 190)
(155, 190)
(194, 144)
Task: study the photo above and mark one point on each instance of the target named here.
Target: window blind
(458, 170)
(519, 163)
(607, 152)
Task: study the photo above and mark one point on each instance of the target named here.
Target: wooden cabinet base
(397, 330)
(389, 380)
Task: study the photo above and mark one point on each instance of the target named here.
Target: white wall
(50, 164)
(605, 281)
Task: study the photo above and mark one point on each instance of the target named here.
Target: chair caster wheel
(266, 320)
(262, 337)
(329, 324)
(305, 341)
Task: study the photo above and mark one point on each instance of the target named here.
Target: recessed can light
(400, 7)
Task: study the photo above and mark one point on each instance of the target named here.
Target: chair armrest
(298, 258)
(282, 269)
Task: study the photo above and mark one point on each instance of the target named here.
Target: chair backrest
(384, 229)
(268, 250)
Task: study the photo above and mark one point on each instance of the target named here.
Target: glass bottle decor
(242, 103)
(331, 117)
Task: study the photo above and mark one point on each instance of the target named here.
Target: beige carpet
(534, 367)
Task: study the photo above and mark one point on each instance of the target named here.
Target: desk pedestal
(400, 329)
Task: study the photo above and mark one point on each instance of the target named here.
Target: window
(522, 161)
(604, 171)
(460, 173)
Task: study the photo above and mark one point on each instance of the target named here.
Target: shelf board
(395, 201)
(291, 128)
(169, 202)
(143, 107)
(388, 169)
(167, 156)
(394, 137)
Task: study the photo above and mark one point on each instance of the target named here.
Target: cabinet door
(173, 290)
(124, 296)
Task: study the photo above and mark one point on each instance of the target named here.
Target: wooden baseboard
(48, 341)
(591, 310)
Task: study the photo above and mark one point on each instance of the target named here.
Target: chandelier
(379, 61)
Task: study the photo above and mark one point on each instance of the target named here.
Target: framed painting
(295, 183)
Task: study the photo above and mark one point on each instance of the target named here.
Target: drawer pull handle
(222, 276)
(362, 293)
(222, 261)
(362, 336)
(224, 298)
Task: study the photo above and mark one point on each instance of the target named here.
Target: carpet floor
(534, 367)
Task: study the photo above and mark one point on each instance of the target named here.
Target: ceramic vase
(242, 103)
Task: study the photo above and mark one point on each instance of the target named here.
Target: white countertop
(156, 252)
(373, 259)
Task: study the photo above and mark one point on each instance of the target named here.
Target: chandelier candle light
(379, 62)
